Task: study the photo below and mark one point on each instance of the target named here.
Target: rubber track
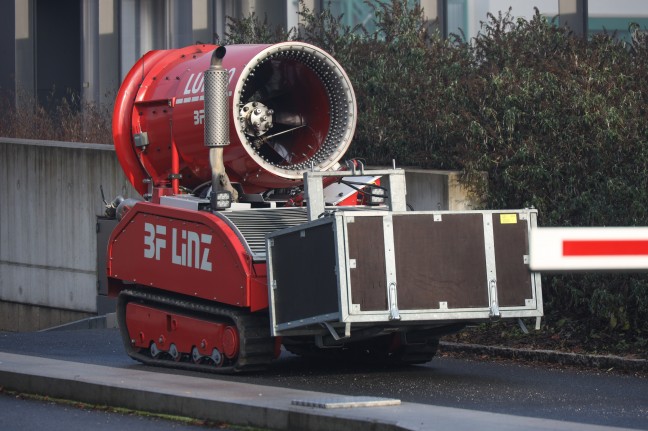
(256, 346)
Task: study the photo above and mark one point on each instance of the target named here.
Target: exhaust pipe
(217, 129)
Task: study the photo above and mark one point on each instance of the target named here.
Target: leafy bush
(251, 29)
(565, 130)
(70, 119)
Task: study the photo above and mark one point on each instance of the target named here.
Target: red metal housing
(158, 125)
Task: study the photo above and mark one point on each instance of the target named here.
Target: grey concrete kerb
(241, 403)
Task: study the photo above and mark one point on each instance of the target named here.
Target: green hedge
(558, 122)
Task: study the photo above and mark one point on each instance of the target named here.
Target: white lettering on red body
(188, 248)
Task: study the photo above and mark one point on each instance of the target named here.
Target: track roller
(160, 329)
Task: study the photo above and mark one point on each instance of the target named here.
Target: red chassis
(193, 253)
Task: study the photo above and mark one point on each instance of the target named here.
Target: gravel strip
(551, 356)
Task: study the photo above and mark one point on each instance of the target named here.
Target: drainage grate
(346, 402)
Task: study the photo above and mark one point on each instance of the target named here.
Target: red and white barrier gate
(589, 249)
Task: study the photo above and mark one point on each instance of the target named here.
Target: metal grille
(253, 225)
(216, 112)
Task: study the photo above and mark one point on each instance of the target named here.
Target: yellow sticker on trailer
(508, 218)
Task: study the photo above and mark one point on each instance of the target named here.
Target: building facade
(57, 48)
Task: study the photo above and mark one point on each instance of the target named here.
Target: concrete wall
(16, 317)
(431, 190)
(49, 200)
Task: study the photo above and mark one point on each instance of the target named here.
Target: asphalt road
(584, 396)
(19, 414)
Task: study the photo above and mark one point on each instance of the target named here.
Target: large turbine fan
(292, 109)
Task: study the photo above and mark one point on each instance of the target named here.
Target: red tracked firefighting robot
(242, 243)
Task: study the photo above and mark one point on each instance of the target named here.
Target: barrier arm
(588, 249)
